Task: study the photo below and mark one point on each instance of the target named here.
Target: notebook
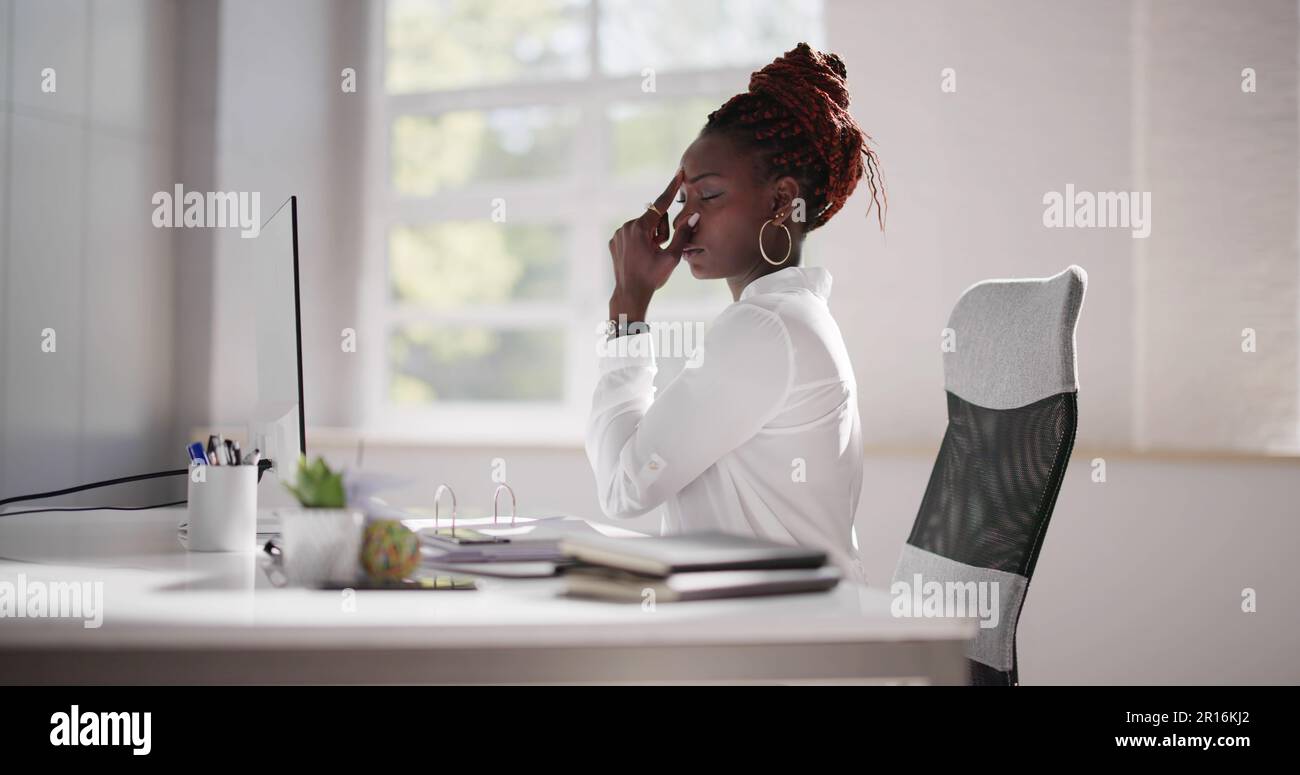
(535, 540)
(611, 584)
(664, 556)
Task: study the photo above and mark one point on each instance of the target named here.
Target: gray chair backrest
(1012, 384)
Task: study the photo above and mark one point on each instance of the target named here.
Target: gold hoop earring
(789, 243)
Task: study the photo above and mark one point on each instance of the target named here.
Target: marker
(213, 457)
(196, 453)
(229, 447)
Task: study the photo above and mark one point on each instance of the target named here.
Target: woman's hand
(641, 267)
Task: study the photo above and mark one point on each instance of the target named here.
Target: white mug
(222, 509)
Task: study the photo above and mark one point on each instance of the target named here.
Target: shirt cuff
(624, 351)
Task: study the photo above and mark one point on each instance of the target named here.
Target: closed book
(617, 585)
(663, 556)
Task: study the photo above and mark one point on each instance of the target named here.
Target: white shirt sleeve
(644, 449)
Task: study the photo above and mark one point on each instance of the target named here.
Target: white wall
(1110, 96)
(1042, 99)
(284, 126)
(197, 35)
(80, 255)
(1222, 166)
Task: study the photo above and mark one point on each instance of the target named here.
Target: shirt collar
(814, 278)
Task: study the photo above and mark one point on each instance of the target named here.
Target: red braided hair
(796, 117)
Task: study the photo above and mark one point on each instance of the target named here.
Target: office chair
(1012, 385)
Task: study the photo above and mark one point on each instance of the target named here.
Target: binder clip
(513, 505)
(437, 498)
(464, 535)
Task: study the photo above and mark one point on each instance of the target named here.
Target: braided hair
(795, 117)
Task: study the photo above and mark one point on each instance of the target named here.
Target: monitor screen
(277, 427)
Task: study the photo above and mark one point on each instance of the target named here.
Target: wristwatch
(614, 329)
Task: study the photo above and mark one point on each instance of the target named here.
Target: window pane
(450, 44)
(431, 153)
(668, 35)
(649, 137)
(460, 263)
(463, 363)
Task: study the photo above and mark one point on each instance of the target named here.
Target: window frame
(566, 200)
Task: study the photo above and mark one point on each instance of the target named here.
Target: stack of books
(691, 566)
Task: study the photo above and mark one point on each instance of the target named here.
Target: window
(508, 141)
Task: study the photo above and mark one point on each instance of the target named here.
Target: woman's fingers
(684, 232)
(656, 225)
(666, 198)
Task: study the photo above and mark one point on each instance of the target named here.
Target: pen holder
(223, 509)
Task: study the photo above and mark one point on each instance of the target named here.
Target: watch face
(615, 328)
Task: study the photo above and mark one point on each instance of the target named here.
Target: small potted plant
(322, 539)
(317, 486)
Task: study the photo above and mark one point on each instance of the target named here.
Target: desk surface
(171, 615)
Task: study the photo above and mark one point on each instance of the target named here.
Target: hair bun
(834, 62)
(803, 74)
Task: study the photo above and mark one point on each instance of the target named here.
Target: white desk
(170, 616)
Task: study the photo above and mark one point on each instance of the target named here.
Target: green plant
(317, 486)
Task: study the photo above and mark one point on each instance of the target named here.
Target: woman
(762, 437)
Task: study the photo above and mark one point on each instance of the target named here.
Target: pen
(228, 448)
(213, 457)
(234, 453)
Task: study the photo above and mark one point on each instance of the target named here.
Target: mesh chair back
(1012, 384)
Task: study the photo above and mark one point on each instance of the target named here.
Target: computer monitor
(278, 424)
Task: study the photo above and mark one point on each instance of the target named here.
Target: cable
(262, 467)
(92, 508)
(106, 483)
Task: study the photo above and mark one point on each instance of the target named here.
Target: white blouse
(761, 436)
